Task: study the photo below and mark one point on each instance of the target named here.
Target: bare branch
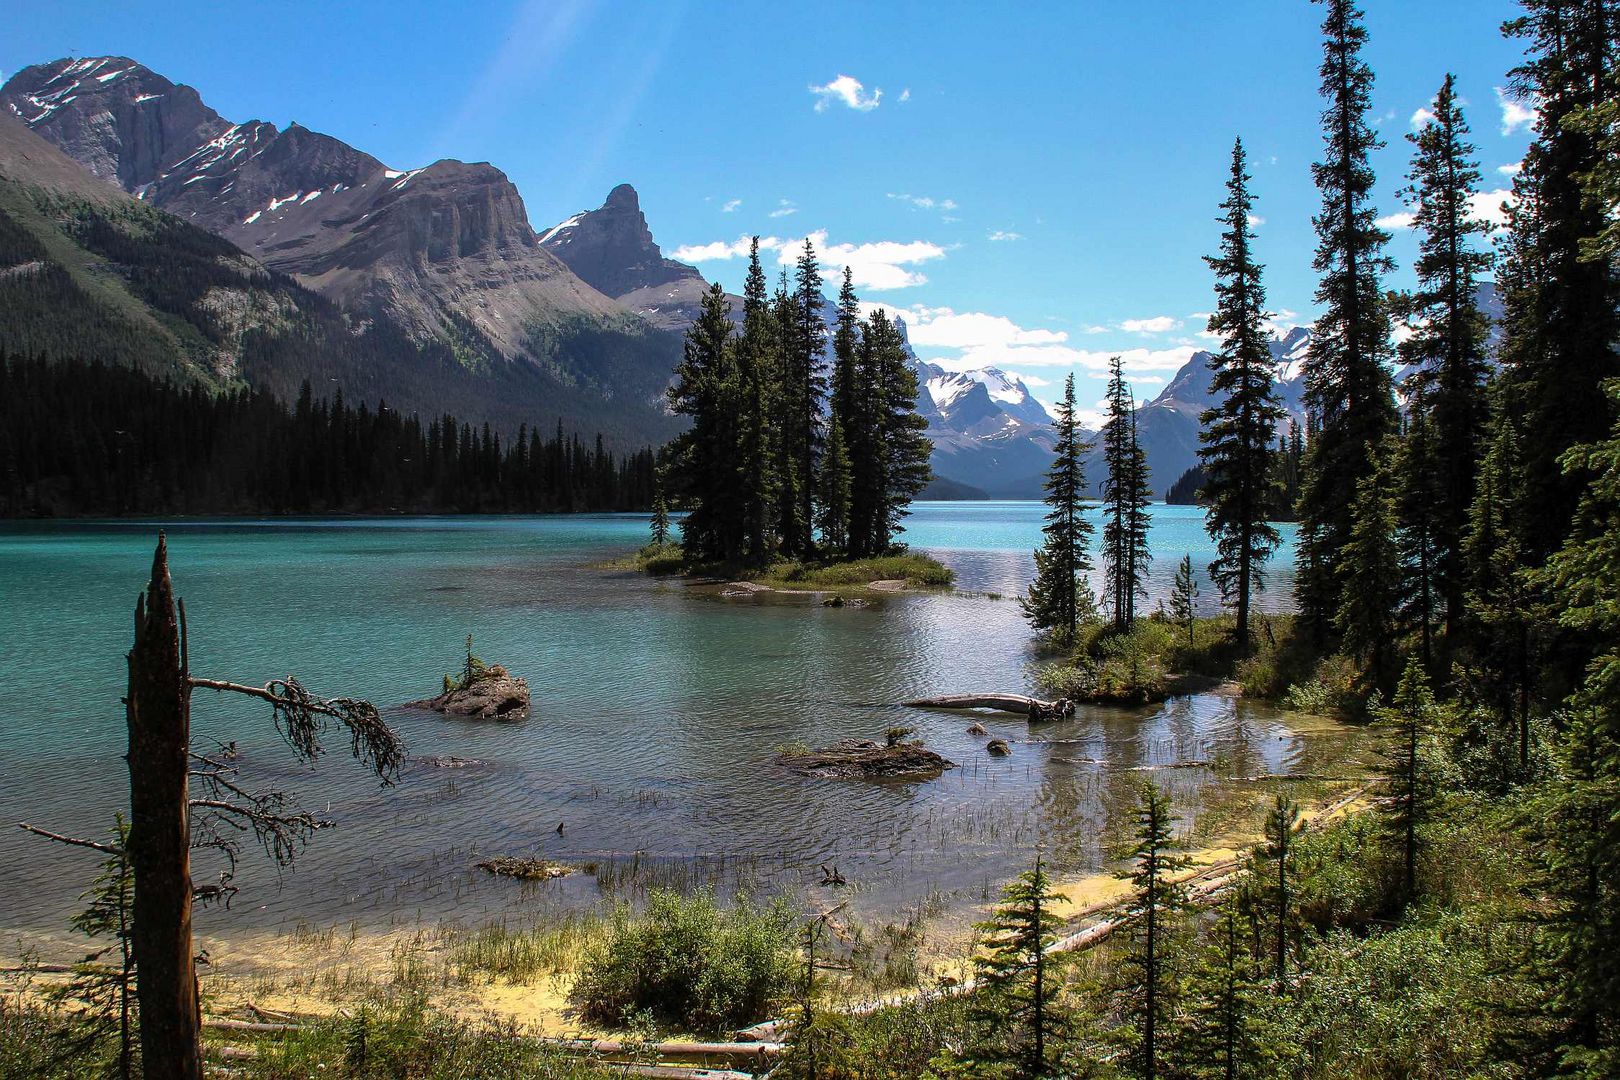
(302, 718)
(73, 840)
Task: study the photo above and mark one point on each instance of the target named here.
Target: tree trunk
(159, 718)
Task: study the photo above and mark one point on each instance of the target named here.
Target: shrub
(690, 963)
(661, 560)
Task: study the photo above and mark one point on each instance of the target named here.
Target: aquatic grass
(523, 954)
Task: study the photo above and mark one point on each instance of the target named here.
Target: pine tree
(832, 496)
(1565, 341)
(1579, 844)
(804, 391)
(1370, 577)
(1281, 822)
(1406, 781)
(1226, 1035)
(1060, 596)
(789, 385)
(707, 389)
(1184, 597)
(1447, 348)
(903, 450)
(758, 453)
(660, 517)
(1125, 500)
(1347, 381)
(1018, 977)
(1420, 506)
(1157, 899)
(106, 991)
(1236, 453)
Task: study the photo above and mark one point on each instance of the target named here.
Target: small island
(480, 692)
(897, 757)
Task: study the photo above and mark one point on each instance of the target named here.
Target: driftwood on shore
(865, 758)
(1034, 708)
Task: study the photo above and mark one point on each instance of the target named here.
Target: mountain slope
(443, 256)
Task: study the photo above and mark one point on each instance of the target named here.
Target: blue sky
(1033, 191)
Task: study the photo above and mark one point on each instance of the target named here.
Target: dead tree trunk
(158, 710)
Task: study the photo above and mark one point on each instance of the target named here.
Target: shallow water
(657, 712)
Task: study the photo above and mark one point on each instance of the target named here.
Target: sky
(1031, 188)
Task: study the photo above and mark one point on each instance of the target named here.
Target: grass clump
(916, 570)
(523, 955)
(689, 963)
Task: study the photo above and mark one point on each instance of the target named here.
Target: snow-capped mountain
(445, 253)
(989, 432)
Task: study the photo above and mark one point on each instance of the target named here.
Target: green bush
(661, 560)
(689, 963)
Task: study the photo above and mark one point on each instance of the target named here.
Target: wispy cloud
(905, 95)
(1488, 206)
(1157, 324)
(784, 208)
(848, 91)
(731, 206)
(1001, 235)
(1512, 168)
(923, 202)
(1421, 117)
(1518, 114)
(1405, 219)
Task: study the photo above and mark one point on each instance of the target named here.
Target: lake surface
(657, 711)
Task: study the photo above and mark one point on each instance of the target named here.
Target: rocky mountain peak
(624, 197)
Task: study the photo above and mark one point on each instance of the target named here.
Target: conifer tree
(1149, 992)
(791, 484)
(757, 450)
(1184, 597)
(1060, 596)
(1406, 781)
(1125, 500)
(1226, 1036)
(832, 496)
(1236, 453)
(1420, 510)
(804, 391)
(1347, 381)
(707, 389)
(1019, 977)
(1281, 822)
(660, 517)
(106, 991)
(1447, 349)
(903, 450)
(1370, 577)
(1566, 341)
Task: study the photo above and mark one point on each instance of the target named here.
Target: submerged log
(525, 869)
(865, 758)
(1034, 708)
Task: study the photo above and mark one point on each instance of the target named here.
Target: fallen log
(864, 758)
(1034, 708)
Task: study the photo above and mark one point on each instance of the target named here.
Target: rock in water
(998, 748)
(494, 695)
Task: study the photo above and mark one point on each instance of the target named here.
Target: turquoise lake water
(657, 712)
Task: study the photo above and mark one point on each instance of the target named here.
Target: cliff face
(444, 253)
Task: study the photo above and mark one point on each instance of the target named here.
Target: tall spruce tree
(1125, 499)
(1236, 453)
(1579, 844)
(759, 457)
(1226, 1035)
(1407, 784)
(1018, 977)
(1157, 899)
(1420, 509)
(902, 447)
(1281, 822)
(708, 389)
(1184, 597)
(1347, 380)
(1447, 346)
(832, 493)
(1060, 596)
(1370, 577)
(791, 485)
(1566, 341)
(804, 391)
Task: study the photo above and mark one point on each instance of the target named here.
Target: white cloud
(1096, 330)
(1491, 206)
(943, 327)
(1517, 114)
(923, 202)
(1004, 234)
(731, 206)
(784, 207)
(1512, 168)
(905, 95)
(1255, 221)
(1421, 117)
(846, 90)
(1158, 324)
(1029, 380)
(1394, 222)
(720, 250)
